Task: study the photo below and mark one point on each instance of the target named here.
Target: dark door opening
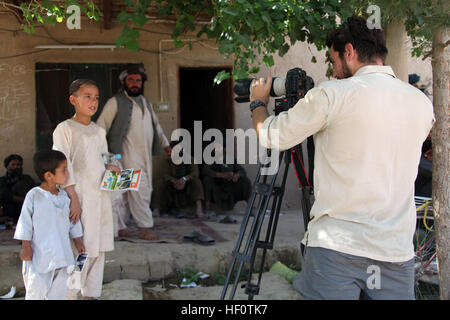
(52, 93)
(201, 100)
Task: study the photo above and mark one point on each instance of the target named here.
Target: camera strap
(304, 176)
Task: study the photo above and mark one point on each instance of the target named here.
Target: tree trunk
(398, 54)
(441, 160)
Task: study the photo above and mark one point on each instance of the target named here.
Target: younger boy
(44, 228)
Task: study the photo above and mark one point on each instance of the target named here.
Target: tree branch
(443, 45)
(6, 5)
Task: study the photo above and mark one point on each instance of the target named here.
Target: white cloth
(369, 130)
(137, 154)
(44, 220)
(44, 286)
(83, 146)
(92, 276)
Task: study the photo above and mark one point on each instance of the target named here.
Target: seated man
(14, 187)
(423, 183)
(180, 187)
(225, 185)
(413, 79)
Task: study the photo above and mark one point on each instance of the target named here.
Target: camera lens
(242, 88)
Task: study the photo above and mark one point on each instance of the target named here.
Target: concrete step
(154, 261)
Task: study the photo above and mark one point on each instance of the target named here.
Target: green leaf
(230, 11)
(123, 17)
(265, 17)
(268, 60)
(283, 49)
(178, 43)
(139, 19)
(254, 70)
(132, 44)
(221, 76)
(120, 41)
(240, 74)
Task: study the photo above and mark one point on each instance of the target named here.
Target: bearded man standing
(133, 130)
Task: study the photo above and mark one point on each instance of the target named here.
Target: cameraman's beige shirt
(368, 132)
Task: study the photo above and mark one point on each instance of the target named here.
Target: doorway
(52, 93)
(202, 100)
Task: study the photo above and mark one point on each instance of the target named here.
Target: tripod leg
(278, 192)
(265, 192)
(241, 236)
(236, 254)
(250, 245)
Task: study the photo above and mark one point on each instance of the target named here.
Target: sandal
(148, 235)
(208, 216)
(124, 234)
(180, 215)
(205, 240)
(191, 236)
(228, 219)
(199, 238)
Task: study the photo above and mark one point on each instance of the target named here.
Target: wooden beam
(107, 17)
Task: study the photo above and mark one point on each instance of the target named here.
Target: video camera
(294, 87)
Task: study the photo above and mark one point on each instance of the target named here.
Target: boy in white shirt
(45, 230)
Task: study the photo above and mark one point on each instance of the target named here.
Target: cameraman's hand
(260, 90)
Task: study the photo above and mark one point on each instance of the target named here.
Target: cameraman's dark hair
(76, 85)
(47, 160)
(369, 43)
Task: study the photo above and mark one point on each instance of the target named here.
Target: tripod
(266, 190)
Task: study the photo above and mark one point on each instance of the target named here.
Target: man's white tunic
(368, 132)
(137, 154)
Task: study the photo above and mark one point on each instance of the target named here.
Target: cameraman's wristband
(255, 104)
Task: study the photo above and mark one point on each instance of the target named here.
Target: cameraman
(368, 130)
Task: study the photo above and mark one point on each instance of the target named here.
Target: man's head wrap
(12, 157)
(133, 69)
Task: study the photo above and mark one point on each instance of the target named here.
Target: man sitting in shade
(413, 79)
(179, 188)
(224, 184)
(14, 186)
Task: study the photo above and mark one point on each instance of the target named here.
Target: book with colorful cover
(128, 179)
